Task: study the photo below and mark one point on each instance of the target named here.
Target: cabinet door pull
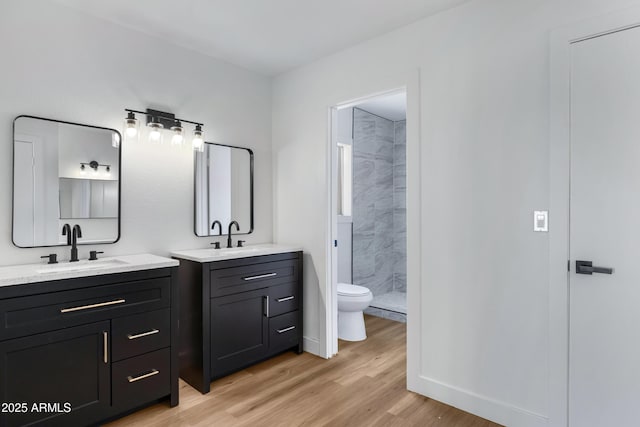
(260, 276)
(282, 331)
(266, 305)
(87, 307)
(143, 376)
(105, 347)
(143, 334)
(285, 299)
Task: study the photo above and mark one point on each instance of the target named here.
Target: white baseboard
(311, 345)
(482, 406)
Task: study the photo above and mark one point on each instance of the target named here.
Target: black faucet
(77, 232)
(213, 226)
(66, 231)
(229, 241)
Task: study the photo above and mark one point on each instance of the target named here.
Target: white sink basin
(81, 266)
(214, 255)
(236, 251)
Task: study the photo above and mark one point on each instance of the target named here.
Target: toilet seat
(349, 290)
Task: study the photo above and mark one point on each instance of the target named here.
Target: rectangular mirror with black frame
(64, 173)
(223, 189)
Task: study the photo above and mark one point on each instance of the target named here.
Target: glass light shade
(131, 127)
(155, 132)
(178, 137)
(198, 140)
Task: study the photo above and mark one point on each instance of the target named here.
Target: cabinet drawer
(56, 310)
(244, 278)
(140, 379)
(283, 299)
(283, 331)
(140, 333)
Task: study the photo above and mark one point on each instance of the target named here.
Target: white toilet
(352, 300)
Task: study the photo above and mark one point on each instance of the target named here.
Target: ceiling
(265, 36)
(392, 107)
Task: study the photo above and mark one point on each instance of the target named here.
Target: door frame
(559, 201)
(332, 256)
(410, 83)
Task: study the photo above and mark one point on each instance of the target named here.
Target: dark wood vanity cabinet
(89, 349)
(235, 313)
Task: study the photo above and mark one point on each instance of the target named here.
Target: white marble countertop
(210, 254)
(32, 273)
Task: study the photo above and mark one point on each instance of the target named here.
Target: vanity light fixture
(157, 121)
(94, 166)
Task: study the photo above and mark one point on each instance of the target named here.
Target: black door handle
(586, 267)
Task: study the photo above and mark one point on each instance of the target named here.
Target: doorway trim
(411, 85)
(559, 201)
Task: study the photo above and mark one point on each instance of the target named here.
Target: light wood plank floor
(364, 385)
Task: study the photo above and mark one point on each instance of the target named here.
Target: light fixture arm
(162, 115)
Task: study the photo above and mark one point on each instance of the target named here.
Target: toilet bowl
(352, 300)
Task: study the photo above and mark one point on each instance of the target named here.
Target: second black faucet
(72, 239)
(229, 241)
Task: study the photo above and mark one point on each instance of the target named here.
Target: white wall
(61, 64)
(483, 169)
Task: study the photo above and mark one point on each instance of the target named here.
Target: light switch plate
(541, 221)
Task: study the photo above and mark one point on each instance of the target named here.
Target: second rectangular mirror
(223, 189)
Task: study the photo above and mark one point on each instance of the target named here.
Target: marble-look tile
(364, 171)
(384, 130)
(364, 132)
(383, 229)
(364, 266)
(400, 281)
(400, 132)
(384, 174)
(399, 154)
(384, 149)
(364, 219)
(399, 220)
(399, 199)
(400, 177)
(378, 200)
(399, 205)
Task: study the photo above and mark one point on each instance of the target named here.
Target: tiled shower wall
(400, 206)
(379, 236)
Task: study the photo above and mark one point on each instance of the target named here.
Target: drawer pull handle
(260, 276)
(285, 299)
(282, 331)
(87, 307)
(105, 347)
(143, 334)
(143, 376)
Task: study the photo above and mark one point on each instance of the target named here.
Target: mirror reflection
(223, 189)
(88, 198)
(64, 173)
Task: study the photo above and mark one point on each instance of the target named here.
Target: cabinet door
(64, 373)
(239, 331)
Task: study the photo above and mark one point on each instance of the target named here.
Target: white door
(604, 335)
